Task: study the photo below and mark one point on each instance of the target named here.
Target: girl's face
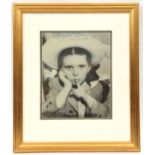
(75, 68)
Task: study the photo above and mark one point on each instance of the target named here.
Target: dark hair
(92, 75)
(71, 51)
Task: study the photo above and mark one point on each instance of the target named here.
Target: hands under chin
(84, 97)
(79, 91)
(65, 81)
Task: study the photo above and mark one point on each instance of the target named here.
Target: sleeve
(100, 109)
(50, 100)
(101, 104)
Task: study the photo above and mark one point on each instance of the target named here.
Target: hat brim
(53, 47)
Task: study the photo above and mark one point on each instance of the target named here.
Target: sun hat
(53, 47)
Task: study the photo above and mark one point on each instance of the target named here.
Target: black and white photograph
(76, 73)
(76, 77)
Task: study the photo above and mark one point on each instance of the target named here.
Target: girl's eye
(81, 66)
(68, 67)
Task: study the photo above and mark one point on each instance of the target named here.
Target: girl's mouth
(76, 80)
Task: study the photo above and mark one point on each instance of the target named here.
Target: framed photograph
(76, 77)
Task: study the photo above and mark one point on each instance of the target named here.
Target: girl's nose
(75, 72)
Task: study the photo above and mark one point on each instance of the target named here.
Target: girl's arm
(96, 106)
(62, 96)
(56, 98)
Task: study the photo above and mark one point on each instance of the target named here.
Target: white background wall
(147, 54)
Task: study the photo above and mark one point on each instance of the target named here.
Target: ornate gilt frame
(134, 144)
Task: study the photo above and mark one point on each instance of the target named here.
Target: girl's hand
(80, 92)
(65, 81)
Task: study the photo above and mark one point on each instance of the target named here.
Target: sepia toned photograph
(76, 75)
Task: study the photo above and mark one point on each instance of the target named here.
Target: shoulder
(105, 84)
(100, 85)
(101, 89)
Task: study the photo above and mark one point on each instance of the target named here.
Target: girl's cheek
(64, 70)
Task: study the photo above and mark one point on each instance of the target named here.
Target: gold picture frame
(134, 144)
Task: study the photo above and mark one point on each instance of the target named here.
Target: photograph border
(18, 10)
(110, 64)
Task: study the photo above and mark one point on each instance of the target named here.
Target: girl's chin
(77, 82)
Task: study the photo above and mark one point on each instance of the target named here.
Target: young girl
(71, 93)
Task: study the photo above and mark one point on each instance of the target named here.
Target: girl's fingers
(62, 74)
(78, 85)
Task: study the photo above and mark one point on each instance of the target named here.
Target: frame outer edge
(19, 146)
